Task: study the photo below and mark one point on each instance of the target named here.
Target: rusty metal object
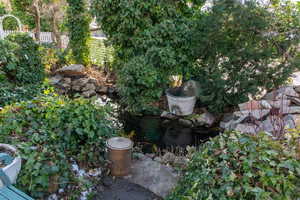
(119, 154)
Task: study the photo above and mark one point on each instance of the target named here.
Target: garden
(140, 100)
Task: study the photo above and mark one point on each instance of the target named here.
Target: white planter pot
(12, 170)
(180, 105)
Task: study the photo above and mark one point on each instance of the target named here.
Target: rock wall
(73, 79)
(275, 113)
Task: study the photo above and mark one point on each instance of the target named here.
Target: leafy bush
(9, 23)
(54, 58)
(8, 58)
(150, 33)
(78, 21)
(241, 166)
(139, 84)
(20, 59)
(233, 49)
(2, 9)
(52, 133)
(11, 93)
(243, 47)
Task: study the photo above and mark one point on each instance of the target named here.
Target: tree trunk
(37, 21)
(56, 32)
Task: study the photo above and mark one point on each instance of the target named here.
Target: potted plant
(10, 162)
(182, 100)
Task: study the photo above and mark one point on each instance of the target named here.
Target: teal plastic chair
(9, 192)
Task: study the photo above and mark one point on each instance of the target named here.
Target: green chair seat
(9, 192)
(12, 193)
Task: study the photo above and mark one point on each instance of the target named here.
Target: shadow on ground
(121, 189)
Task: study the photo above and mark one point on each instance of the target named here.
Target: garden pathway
(121, 189)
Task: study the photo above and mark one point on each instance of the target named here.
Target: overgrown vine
(78, 20)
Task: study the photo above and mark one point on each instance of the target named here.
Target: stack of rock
(205, 119)
(276, 112)
(73, 79)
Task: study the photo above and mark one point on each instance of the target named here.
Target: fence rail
(45, 37)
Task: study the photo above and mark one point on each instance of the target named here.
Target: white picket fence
(45, 37)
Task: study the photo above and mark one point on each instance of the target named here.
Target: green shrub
(11, 93)
(8, 59)
(2, 9)
(52, 133)
(241, 166)
(21, 59)
(242, 48)
(9, 23)
(233, 49)
(54, 58)
(78, 21)
(151, 33)
(139, 83)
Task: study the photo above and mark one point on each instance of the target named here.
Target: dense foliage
(9, 23)
(231, 48)
(52, 133)
(2, 9)
(33, 13)
(21, 59)
(139, 83)
(78, 21)
(149, 33)
(53, 57)
(243, 47)
(101, 54)
(241, 166)
(11, 93)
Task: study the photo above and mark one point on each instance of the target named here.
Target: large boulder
(273, 124)
(297, 120)
(67, 81)
(289, 122)
(255, 105)
(291, 110)
(205, 119)
(295, 100)
(71, 70)
(296, 79)
(281, 93)
(250, 105)
(89, 93)
(297, 88)
(168, 115)
(256, 114)
(278, 111)
(282, 104)
(102, 89)
(80, 82)
(55, 79)
(89, 87)
(247, 128)
(152, 175)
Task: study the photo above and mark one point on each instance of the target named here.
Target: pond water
(150, 130)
